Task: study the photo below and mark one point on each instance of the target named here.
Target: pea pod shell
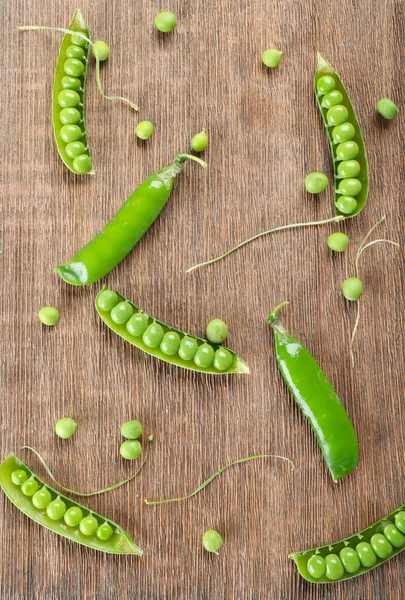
(119, 543)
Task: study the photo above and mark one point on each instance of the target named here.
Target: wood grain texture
(265, 136)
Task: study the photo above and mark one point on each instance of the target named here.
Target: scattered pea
(122, 313)
(75, 149)
(223, 359)
(170, 343)
(82, 164)
(366, 554)
(188, 348)
(212, 541)
(343, 133)
(204, 356)
(104, 532)
(316, 182)
(106, 300)
(217, 331)
(352, 288)
(74, 51)
(131, 449)
(350, 560)
(400, 521)
(100, 50)
(332, 99)
(41, 498)
(325, 84)
(338, 241)
(334, 567)
(29, 487)
(350, 187)
(144, 130)
(70, 133)
(394, 536)
(346, 204)
(381, 545)
(272, 57)
(73, 67)
(18, 477)
(347, 150)
(48, 315)
(69, 116)
(316, 566)
(56, 509)
(337, 115)
(200, 141)
(137, 324)
(65, 428)
(88, 525)
(131, 430)
(73, 516)
(165, 21)
(387, 108)
(67, 98)
(153, 335)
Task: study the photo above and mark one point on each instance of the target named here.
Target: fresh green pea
(131, 430)
(165, 21)
(337, 115)
(122, 313)
(272, 57)
(131, 449)
(332, 99)
(104, 532)
(137, 324)
(350, 560)
(82, 164)
(88, 525)
(338, 241)
(316, 566)
(71, 83)
(18, 477)
(68, 98)
(41, 498)
(69, 116)
(400, 521)
(70, 133)
(217, 331)
(381, 545)
(74, 51)
(223, 359)
(387, 108)
(29, 487)
(325, 85)
(188, 348)
(100, 50)
(170, 343)
(65, 428)
(56, 509)
(77, 40)
(75, 149)
(316, 182)
(48, 315)
(334, 567)
(212, 541)
(153, 335)
(73, 67)
(348, 168)
(73, 516)
(350, 187)
(346, 204)
(347, 150)
(394, 536)
(200, 141)
(144, 130)
(106, 300)
(366, 554)
(343, 133)
(204, 356)
(352, 288)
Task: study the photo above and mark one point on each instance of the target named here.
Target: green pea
(165, 21)
(104, 532)
(338, 241)
(332, 99)
(144, 130)
(131, 430)
(67, 98)
(18, 477)
(82, 164)
(56, 509)
(272, 57)
(188, 348)
(75, 149)
(346, 204)
(73, 516)
(337, 115)
(77, 40)
(100, 50)
(387, 108)
(349, 187)
(352, 288)
(74, 51)
(325, 85)
(122, 313)
(366, 554)
(88, 525)
(200, 141)
(131, 449)
(343, 133)
(223, 359)
(70, 133)
(106, 300)
(137, 324)
(347, 150)
(29, 487)
(400, 521)
(334, 567)
(316, 182)
(217, 331)
(69, 116)
(381, 545)
(153, 335)
(350, 560)
(73, 67)
(212, 541)
(204, 356)
(71, 83)
(316, 566)
(348, 168)
(41, 498)
(170, 343)
(48, 315)
(65, 428)
(394, 536)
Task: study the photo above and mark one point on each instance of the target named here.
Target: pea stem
(100, 89)
(337, 219)
(219, 472)
(183, 157)
(273, 316)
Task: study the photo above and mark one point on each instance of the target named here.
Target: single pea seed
(18, 477)
(88, 525)
(316, 566)
(104, 532)
(316, 182)
(100, 50)
(216, 331)
(70, 133)
(347, 150)
(137, 324)
(346, 204)
(350, 560)
(223, 359)
(170, 343)
(381, 545)
(131, 449)
(29, 487)
(337, 115)
(343, 133)
(349, 187)
(348, 168)
(73, 516)
(74, 51)
(65, 428)
(71, 83)
(131, 430)
(67, 98)
(387, 108)
(394, 536)
(42, 498)
(338, 241)
(73, 67)
(366, 554)
(144, 130)
(272, 57)
(122, 313)
(200, 141)
(400, 521)
(352, 288)
(82, 164)
(77, 40)
(106, 300)
(69, 116)
(325, 85)
(188, 348)
(153, 335)
(165, 21)
(75, 149)
(48, 315)
(56, 509)
(332, 99)
(204, 356)
(334, 567)
(212, 541)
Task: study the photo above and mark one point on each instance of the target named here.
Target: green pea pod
(116, 541)
(352, 153)
(317, 399)
(126, 228)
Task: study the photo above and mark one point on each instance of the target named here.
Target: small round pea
(316, 182)
(65, 428)
(366, 554)
(272, 57)
(73, 516)
(352, 288)
(212, 541)
(131, 430)
(106, 300)
(100, 50)
(400, 521)
(69, 116)
(77, 40)
(343, 133)
(165, 21)
(204, 356)
(153, 335)
(74, 51)
(394, 536)
(122, 313)
(381, 545)
(56, 509)
(67, 98)
(88, 525)
(42, 498)
(82, 164)
(29, 487)
(137, 324)
(338, 241)
(170, 343)
(350, 560)
(350, 187)
(75, 149)
(217, 331)
(48, 315)
(348, 168)
(200, 141)
(347, 150)
(223, 359)
(387, 108)
(70, 133)
(104, 532)
(325, 85)
(337, 115)
(73, 67)
(334, 567)
(18, 477)
(332, 99)
(131, 449)
(188, 348)
(346, 204)
(316, 566)
(70, 83)
(144, 130)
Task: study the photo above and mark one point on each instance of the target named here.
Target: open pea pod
(27, 491)
(350, 168)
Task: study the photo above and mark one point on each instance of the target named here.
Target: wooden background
(265, 136)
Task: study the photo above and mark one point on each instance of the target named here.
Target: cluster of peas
(56, 509)
(365, 554)
(154, 336)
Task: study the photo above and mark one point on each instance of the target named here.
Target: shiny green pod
(55, 510)
(152, 337)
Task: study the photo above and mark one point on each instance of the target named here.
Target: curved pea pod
(150, 338)
(356, 552)
(317, 399)
(118, 542)
(359, 154)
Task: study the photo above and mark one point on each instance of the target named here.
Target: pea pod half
(350, 167)
(60, 514)
(164, 342)
(317, 399)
